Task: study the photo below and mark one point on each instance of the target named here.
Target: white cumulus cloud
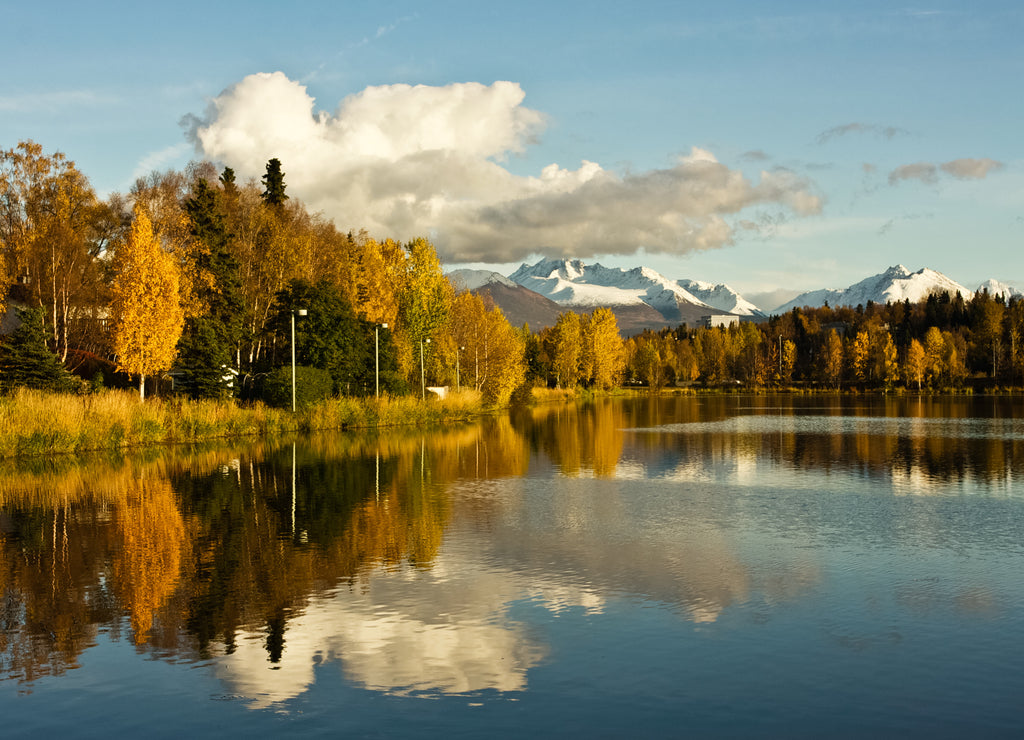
(403, 161)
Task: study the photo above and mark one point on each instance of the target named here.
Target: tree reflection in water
(275, 554)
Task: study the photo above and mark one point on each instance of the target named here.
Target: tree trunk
(142, 387)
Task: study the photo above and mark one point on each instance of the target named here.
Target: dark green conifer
(273, 182)
(26, 361)
(227, 179)
(333, 338)
(206, 351)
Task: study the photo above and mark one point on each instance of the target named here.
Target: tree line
(196, 273)
(942, 341)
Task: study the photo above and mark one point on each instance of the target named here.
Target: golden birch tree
(567, 349)
(425, 302)
(378, 279)
(954, 357)
(146, 310)
(492, 358)
(647, 364)
(915, 363)
(788, 360)
(887, 363)
(859, 351)
(711, 345)
(934, 353)
(49, 240)
(832, 359)
(162, 196)
(603, 348)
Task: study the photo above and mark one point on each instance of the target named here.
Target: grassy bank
(35, 423)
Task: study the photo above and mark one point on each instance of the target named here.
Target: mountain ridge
(642, 298)
(895, 284)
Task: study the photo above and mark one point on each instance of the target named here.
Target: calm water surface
(722, 566)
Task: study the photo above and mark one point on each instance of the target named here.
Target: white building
(724, 319)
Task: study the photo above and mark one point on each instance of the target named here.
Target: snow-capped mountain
(641, 298)
(994, 288)
(644, 299)
(895, 284)
(720, 296)
(572, 283)
(474, 279)
(519, 305)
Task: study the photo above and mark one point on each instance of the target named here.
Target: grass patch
(34, 423)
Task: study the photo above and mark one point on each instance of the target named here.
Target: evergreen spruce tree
(26, 361)
(273, 181)
(206, 351)
(331, 337)
(227, 179)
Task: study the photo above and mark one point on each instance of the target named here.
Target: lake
(680, 565)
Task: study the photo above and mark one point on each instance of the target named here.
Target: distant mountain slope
(473, 279)
(994, 288)
(640, 297)
(643, 299)
(574, 283)
(721, 296)
(895, 284)
(519, 305)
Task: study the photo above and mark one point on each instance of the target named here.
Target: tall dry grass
(34, 423)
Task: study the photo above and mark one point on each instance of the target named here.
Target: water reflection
(446, 632)
(917, 445)
(410, 561)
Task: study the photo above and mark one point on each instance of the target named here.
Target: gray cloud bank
(403, 161)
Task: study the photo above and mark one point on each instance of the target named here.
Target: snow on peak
(996, 288)
(474, 279)
(895, 285)
(549, 269)
(574, 283)
(720, 296)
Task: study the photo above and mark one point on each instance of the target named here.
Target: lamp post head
(384, 325)
(301, 312)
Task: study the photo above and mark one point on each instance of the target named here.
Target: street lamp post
(423, 377)
(376, 356)
(300, 312)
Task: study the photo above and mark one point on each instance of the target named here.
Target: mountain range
(640, 297)
(896, 284)
(644, 299)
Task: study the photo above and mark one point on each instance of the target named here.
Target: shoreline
(34, 424)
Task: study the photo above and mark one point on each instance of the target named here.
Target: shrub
(25, 360)
(311, 385)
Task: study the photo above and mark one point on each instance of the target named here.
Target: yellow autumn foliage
(146, 308)
(604, 349)
(491, 352)
(148, 565)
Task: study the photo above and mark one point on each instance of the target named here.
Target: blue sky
(792, 145)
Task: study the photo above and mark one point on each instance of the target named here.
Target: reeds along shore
(34, 423)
